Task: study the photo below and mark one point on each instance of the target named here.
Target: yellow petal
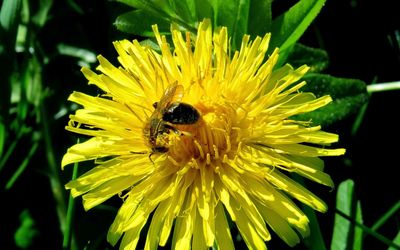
(222, 233)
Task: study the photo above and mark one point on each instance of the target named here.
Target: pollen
(209, 141)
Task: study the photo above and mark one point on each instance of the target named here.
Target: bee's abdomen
(181, 113)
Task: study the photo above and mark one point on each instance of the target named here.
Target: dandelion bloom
(229, 163)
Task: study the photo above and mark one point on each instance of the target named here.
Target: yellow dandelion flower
(195, 138)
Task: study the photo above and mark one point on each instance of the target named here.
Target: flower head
(195, 138)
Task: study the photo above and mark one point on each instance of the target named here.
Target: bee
(169, 111)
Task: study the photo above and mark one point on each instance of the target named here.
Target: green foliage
(261, 17)
(9, 14)
(316, 59)
(139, 22)
(26, 232)
(345, 234)
(396, 241)
(85, 56)
(42, 15)
(70, 212)
(349, 231)
(23, 165)
(2, 137)
(9, 18)
(348, 96)
(288, 27)
(239, 16)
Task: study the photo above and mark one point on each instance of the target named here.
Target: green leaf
(151, 44)
(70, 212)
(83, 54)
(344, 201)
(234, 15)
(290, 26)
(203, 9)
(358, 232)
(9, 14)
(33, 82)
(316, 59)
(224, 14)
(348, 96)
(2, 136)
(386, 216)
(156, 7)
(396, 241)
(346, 235)
(260, 17)
(181, 9)
(135, 3)
(359, 119)
(138, 22)
(74, 6)
(23, 166)
(9, 20)
(26, 233)
(42, 15)
(241, 24)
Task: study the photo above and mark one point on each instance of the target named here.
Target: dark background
(360, 37)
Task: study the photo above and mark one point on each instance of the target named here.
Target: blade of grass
(359, 119)
(83, 54)
(54, 176)
(342, 230)
(346, 235)
(75, 7)
(23, 165)
(396, 240)
(385, 217)
(70, 212)
(369, 231)
(9, 14)
(2, 136)
(11, 148)
(290, 26)
(42, 15)
(358, 233)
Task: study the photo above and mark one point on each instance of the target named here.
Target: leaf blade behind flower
(139, 22)
(290, 26)
(261, 17)
(348, 95)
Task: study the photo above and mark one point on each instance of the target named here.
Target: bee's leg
(170, 127)
(186, 133)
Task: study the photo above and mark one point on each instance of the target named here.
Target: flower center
(212, 138)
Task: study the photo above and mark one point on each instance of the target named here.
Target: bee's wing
(173, 93)
(178, 94)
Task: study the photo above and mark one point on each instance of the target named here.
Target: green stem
(54, 176)
(23, 166)
(386, 216)
(368, 230)
(359, 119)
(386, 86)
(55, 181)
(11, 149)
(70, 212)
